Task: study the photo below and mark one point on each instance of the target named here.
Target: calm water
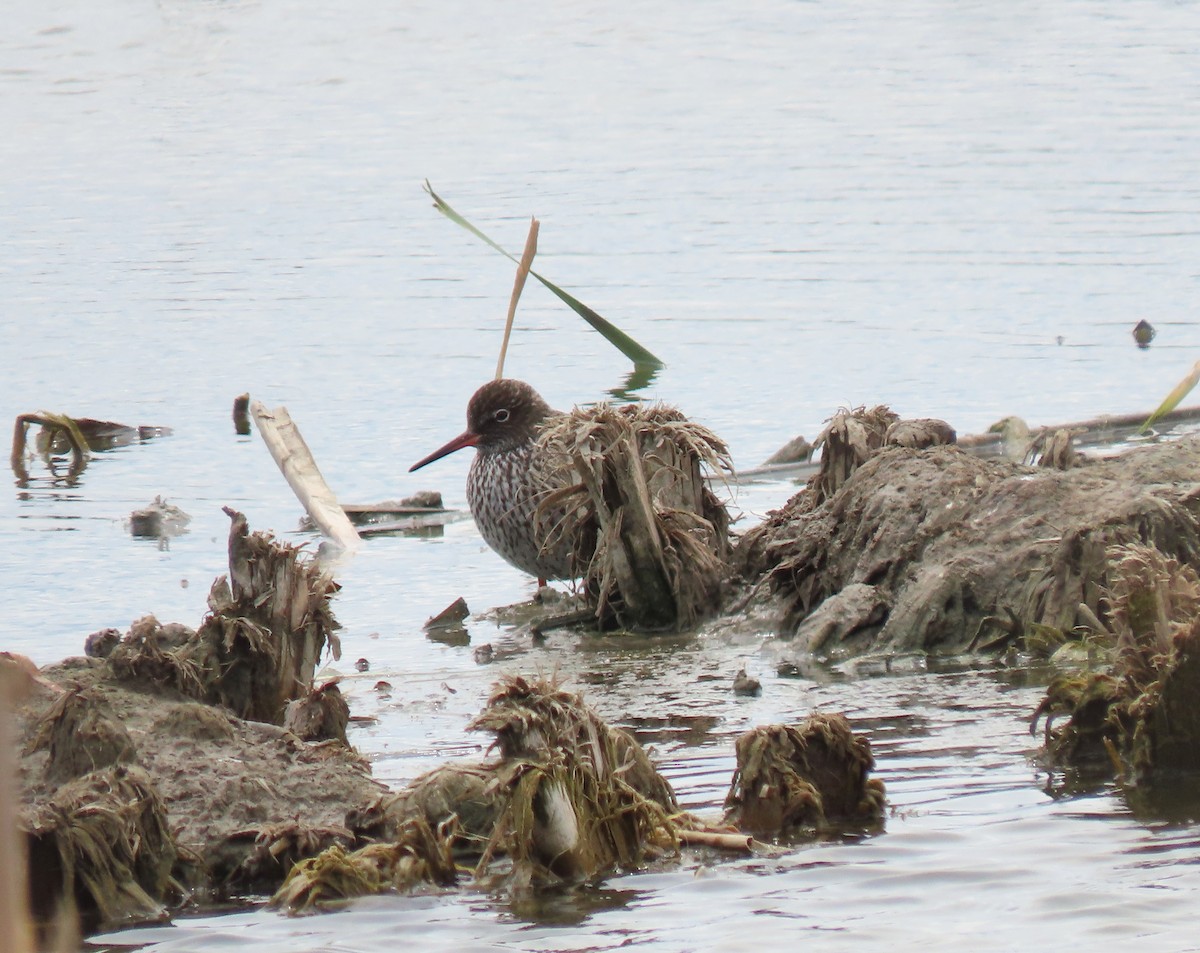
(958, 209)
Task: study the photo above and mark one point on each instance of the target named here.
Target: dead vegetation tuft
(1138, 716)
(811, 777)
(649, 536)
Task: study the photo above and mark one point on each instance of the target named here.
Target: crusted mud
(936, 550)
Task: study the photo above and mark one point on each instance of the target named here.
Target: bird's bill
(465, 439)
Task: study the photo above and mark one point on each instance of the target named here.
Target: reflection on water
(638, 380)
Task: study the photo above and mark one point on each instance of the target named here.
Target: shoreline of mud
(197, 764)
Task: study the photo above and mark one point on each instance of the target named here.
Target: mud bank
(174, 767)
(159, 768)
(937, 551)
(1087, 565)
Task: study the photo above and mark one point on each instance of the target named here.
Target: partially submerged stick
(51, 423)
(722, 840)
(523, 267)
(296, 462)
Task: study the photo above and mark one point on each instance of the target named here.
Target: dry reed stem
(523, 267)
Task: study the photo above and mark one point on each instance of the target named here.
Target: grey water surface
(960, 209)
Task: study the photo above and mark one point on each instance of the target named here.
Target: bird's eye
(501, 416)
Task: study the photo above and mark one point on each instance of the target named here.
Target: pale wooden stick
(295, 461)
(518, 287)
(730, 841)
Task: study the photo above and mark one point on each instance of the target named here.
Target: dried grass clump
(1054, 449)
(568, 798)
(852, 437)
(582, 796)
(271, 626)
(275, 850)
(104, 842)
(416, 856)
(1153, 602)
(803, 778)
(467, 792)
(1144, 713)
(1090, 701)
(168, 654)
(919, 433)
(321, 715)
(532, 719)
(651, 538)
(848, 441)
(81, 734)
(258, 647)
(1155, 608)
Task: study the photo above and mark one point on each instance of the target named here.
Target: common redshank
(504, 489)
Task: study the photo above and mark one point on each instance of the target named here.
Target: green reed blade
(614, 335)
(1180, 391)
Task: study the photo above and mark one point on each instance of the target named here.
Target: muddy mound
(937, 550)
(160, 768)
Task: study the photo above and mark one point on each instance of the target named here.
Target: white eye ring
(501, 416)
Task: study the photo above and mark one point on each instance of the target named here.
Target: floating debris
(158, 520)
(744, 684)
(422, 514)
(1143, 333)
(1014, 437)
(796, 450)
(79, 436)
(295, 461)
(453, 615)
(241, 415)
(447, 626)
(805, 778)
